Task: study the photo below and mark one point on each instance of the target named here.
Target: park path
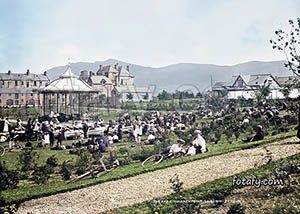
(125, 192)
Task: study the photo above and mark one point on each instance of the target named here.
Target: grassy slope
(217, 190)
(26, 192)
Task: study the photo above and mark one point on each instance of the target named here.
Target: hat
(259, 126)
(197, 132)
(180, 141)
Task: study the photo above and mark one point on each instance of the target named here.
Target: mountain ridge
(172, 76)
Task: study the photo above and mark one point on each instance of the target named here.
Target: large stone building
(17, 89)
(115, 82)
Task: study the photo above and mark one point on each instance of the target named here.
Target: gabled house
(244, 86)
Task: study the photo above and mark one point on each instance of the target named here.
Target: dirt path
(129, 191)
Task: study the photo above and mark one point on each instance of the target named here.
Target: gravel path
(129, 191)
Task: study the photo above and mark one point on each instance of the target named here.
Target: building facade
(245, 86)
(17, 89)
(115, 82)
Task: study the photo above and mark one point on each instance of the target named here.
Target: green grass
(214, 190)
(27, 192)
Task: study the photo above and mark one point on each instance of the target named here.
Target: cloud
(151, 33)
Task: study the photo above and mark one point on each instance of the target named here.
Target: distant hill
(183, 75)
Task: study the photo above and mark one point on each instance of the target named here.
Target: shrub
(236, 209)
(42, 174)
(28, 160)
(66, 170)
(52, 161)
(9, 179)
(83, 162)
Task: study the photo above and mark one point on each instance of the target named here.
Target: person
(6, 125)
(85, 128)
(19, 125)
(150, 139)
(29, 129)
(105, 140)
(177, 147)
(36, 128)
(46, 139)
(191, 150)
(51, 137)
(258, 136)
(138, 133)
(102, 146)
(28, 144)
(199, 142)
(120, 132)
(60, 138)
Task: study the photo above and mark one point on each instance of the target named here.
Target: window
(17, 102)
(34, 83)
(32, 95)
(27, 84)
(16, 83)
(22, 101)
(22, 82)
(0, 101)
(9, 94)
(0, 95)
(16, 96)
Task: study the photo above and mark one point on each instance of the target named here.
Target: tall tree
(289, 43)
(129, 96)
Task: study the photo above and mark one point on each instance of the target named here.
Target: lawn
(210, 197)
(27, 190)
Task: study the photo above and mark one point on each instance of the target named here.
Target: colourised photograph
(149, 107)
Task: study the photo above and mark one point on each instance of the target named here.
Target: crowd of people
(140, 129)
(97, 134)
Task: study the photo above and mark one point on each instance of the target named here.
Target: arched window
(9, 102)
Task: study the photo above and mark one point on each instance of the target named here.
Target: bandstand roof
(68, 82)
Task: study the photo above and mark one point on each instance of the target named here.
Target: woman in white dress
(6, 126)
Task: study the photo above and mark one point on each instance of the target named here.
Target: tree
(286, 90)
(146, 96)
(198, 95)
(129, 96)
(224, 92)
(289, 43)
(164, 95)
(262, 92)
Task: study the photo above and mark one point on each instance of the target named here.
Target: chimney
(91, 73)
(127, 67)
(100, 67)
(116, 65)
(9, 72)
(45, 73)
(27, 72)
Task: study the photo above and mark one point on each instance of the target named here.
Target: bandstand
(67, 94)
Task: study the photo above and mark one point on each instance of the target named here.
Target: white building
(244, 86)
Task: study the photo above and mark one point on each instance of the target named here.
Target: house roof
(123, 72)
(231, 81)
(68, 82)
(110, 69)
(100, 80)
(23, 77)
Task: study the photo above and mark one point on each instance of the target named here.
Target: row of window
(10, 102)
(17, 95)
(22, 83)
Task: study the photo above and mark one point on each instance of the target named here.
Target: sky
(39, 35)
